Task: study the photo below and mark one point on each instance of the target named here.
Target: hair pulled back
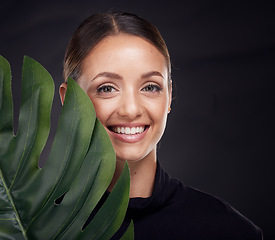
(98, 26)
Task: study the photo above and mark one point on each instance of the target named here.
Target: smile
(128, 134)
(128, 130)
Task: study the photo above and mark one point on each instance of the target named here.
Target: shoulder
(208, 214)
(202, 214)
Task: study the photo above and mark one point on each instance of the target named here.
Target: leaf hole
(95, 210)
(60, 199)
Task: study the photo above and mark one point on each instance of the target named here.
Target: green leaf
(129, 234)
(78, 171)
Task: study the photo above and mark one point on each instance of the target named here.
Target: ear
(170, 98)
(62, 92)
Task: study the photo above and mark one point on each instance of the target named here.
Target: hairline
(114, 34)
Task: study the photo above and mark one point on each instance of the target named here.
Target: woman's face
(126, 79)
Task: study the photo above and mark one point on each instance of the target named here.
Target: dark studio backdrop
(219, 136)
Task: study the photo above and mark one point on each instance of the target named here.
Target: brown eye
(151, 88)
(106, 89)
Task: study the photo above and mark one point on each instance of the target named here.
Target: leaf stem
(13, 205)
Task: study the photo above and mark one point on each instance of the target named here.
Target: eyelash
(154, 88)
(101, 88)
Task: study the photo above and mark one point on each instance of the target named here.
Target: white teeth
(128, 130)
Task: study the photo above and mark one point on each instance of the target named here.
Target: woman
(122, 63)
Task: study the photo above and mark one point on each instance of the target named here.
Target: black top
(176, 211)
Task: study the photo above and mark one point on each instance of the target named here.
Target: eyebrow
(150, 74)
(116, 76)
(108, 75)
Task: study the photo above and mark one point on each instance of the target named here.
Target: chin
(130, 155)
(129, 158)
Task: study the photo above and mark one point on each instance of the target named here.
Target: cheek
(103, 110)
(158, 112)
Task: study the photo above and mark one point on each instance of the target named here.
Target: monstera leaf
(54, 202)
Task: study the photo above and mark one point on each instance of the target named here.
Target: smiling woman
(122, 63)
(126, 79)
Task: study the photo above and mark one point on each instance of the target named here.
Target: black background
(219, 136)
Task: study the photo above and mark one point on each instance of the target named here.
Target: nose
(130, 106)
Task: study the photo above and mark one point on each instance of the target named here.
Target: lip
(129, 138)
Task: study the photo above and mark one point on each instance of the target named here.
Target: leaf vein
(7, 219)
(76, 203)
(27, 137)
(12, 203)
(60, 170)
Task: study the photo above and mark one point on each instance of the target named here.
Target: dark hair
(98, 26)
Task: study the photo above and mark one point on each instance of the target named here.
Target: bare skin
(126, 79)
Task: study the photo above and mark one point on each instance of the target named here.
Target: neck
(142, 175)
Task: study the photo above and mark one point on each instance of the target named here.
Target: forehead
(124, 50)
